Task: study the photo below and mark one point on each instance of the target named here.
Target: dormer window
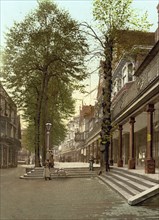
(118, 84)
(127, 73)
(124, 75)
(130, 72)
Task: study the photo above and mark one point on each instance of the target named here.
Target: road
(66, 199)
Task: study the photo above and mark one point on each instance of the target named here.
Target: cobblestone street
(66, 199)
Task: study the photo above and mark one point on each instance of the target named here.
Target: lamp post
(48, 127)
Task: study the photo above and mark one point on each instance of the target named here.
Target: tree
(113, 16)
(48, 44)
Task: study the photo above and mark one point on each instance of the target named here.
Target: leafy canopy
(118, 15)
(43, 63)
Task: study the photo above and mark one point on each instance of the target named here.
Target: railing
(96, 129)
(79, 136)
(142, 81)
(11, 140)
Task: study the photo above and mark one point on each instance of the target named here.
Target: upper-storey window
(130, 72)
(118, 84)
(127, 73)
(114, 87)
(124, 75)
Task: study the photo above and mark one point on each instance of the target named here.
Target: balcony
(144, 82)
(79, 136)
(95, 131)
(11, 141)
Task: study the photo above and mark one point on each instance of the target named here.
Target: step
(136, 185)
(144, 195)
(146, 177)
(122, 184)
(70, 172)
(30, 178)
(55, 176)
(115, 187)
(129, 185)
(135, 178)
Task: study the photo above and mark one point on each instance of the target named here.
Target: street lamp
(48, 127)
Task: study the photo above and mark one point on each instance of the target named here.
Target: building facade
(68, 148)
(135, 114)
(9, 131)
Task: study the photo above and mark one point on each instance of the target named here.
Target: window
(127, 73)
(119, 84)
(124, 73)
(130, 72)
(114, 88)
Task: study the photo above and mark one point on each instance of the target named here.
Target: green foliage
(46, 40)
(115, 15)
(28, 138)
(42, 63)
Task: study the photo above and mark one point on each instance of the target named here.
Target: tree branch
(85, 24)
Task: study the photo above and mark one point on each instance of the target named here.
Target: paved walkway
(66, 199)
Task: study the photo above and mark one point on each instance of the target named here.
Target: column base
(111, 162)
(120, 163)
(150, 166)
(131, 164)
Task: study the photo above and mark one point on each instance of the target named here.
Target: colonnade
(149, 160)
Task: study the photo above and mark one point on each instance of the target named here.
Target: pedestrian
(51, 160)
(47, 173)
(91, 162)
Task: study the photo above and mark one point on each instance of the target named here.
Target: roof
(150, 56)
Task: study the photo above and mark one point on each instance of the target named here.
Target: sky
(15, 10)
(81, 10)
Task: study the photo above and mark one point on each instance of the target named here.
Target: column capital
(150, 108)
(132, 120)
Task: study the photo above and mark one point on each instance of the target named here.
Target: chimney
(157, 31)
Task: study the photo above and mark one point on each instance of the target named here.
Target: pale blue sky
(15, 10)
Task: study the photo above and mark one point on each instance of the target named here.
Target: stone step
(132, 183)
(123, 184)
(115, 187)
(144, 177)
(133, 187)
(30, 177)
(53, 177)
(135, 178)
(69, 172)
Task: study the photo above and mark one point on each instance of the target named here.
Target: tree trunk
(37, 138)
(44, 120)
(106, 104)
(38, 118)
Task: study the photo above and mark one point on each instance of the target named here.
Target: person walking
(47, 173)
(91, 162)
(51, 160)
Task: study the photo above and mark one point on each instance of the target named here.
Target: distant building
(10, 133)
(68, 148)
